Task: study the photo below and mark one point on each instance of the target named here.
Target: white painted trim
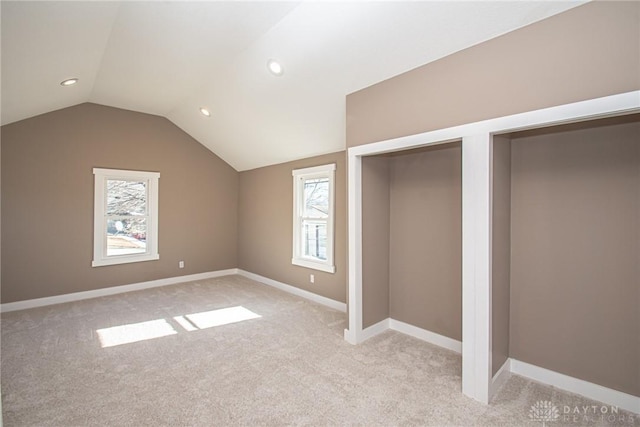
(425, 335)
(101, 176)
(476, 364)
(476, 266)
(299, 176)
(375, 329)
(500, 378)
(411, 330)
(113, 290)
(328, 302)
(126, 174)
(314, 170)
(302, 262)
(354, 213)
(587, 389)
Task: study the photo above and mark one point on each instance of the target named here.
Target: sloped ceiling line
(104, 49)
(170, 58)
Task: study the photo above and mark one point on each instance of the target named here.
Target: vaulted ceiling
(172, 58)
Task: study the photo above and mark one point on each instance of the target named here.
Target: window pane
(126, 236)
(315, 239)
(316, 198)
(126, 197)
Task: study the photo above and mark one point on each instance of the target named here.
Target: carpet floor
(231, 351)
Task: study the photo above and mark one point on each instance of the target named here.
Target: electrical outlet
(181, 264)
(312, 279)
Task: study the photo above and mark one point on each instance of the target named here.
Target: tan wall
(266, 231)
(587, 52)
(501, 256)
(0, 234)
(575, 250)
(375, 239)
(47, 200)
(425, 283)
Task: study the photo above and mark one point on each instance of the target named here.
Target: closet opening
(566, 251)
(412, 243)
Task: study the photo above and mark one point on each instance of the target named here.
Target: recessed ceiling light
(205, 112)
(69, 82)
(275, 67)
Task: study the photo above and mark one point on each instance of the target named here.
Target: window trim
(299, 176)
(100, 257)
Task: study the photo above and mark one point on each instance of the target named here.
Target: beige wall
(501, 256)
(47, 200)
(375, 239)
(425, 284)
(587, 52)
(575, 251)
(266, 233)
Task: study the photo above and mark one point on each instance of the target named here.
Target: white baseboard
(373, 330)
(587, 389)
(500, 378)
(350, 337)
(336, 305)
(407, 329)
(425, 335)
(113, 290)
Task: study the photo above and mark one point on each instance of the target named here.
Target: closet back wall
(575, 254)
(425, 250)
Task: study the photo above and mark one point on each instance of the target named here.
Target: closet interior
(412, 238)
(566, 250)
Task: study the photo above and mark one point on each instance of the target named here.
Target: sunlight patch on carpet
(209, 319)
(135, 332)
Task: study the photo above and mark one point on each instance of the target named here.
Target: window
(125, 224)
(313, 217)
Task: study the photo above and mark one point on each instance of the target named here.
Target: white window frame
(100, 257)
(299, 177)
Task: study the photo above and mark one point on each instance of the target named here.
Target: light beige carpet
(68, 365)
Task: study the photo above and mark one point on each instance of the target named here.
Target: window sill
(314, 265)
(124, 260)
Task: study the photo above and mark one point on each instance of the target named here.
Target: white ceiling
(170, 58)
